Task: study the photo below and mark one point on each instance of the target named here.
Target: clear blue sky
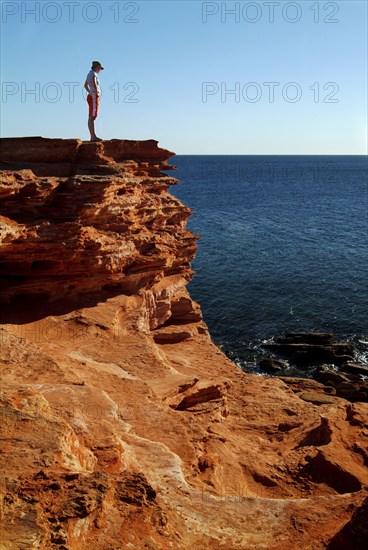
(169, 65)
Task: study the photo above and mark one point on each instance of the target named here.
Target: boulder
(271, 365)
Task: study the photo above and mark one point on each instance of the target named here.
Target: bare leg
(91, 127)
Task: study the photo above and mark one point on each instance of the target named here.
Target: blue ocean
(283, 247)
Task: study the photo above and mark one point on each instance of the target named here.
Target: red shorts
(93, 104)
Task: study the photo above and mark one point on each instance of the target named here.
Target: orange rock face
(123, 425)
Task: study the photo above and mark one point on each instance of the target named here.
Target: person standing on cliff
(92, 85)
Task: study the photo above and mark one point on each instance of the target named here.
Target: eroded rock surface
(123, 425)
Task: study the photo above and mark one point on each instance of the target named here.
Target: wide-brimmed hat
(97, 64)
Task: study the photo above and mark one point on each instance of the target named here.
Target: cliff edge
(123, 425)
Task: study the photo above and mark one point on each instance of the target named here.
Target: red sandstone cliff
(123, 425)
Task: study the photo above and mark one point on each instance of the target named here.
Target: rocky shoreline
(316, 355)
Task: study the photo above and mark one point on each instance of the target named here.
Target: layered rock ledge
(123, 425)
(331, 364)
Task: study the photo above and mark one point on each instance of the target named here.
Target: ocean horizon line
(266, 155)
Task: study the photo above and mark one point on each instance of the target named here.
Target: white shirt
(91, 75)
